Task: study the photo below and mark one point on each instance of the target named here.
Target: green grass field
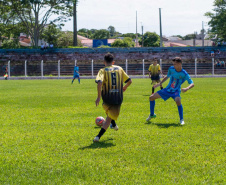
(47, 128)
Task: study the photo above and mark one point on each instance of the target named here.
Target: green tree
(126, 42)
(131, 35)
(66, 40)
(189, 36)
(35, 14)
(51, 34)
(218, 20)
(101, 34)
(112, 31)
(10, 44)
(85, 33)
(151, 39)
(10, 25)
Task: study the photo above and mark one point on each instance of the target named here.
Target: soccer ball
(99, 121)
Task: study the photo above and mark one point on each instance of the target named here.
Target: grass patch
(47, 128)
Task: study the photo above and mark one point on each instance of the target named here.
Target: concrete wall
(84, 56)
(166, 53)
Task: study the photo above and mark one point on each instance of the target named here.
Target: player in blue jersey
(177, 77)
(76, 74)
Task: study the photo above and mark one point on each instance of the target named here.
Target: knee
(178, 103)
(151, 98)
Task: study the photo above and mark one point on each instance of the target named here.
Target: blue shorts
(165, 95)
(76, 75)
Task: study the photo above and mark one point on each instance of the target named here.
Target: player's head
(155, 60)
(108, 58)
(177, 63)
(177, 60)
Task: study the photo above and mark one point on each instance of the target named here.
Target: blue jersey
(76, 70)
(176, 79)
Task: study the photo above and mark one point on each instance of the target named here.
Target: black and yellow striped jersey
(112, 78)
(154, 69)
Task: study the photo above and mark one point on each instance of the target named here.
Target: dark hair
(109, 58)
(177, 59)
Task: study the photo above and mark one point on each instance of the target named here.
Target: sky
(179, 17)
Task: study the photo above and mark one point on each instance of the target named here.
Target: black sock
(161, 87)
(153, 90)
(113, 123)
(102, 131)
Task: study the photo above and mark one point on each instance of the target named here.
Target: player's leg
(152, 99)
(103, 129)
(180, 109)
(113, 125)
(79, 80)
(153, 83)
(158, 81)
(114, 113)
(72, 80)
(153, 90)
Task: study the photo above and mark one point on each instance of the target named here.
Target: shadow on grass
(164, 125)
(146, 95)
(100, 144)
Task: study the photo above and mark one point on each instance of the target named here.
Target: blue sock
(79, 80)
(152, 107)
(180, 110)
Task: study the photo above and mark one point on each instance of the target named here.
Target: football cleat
(150, 117)
(115, 128)
(96, 139)
(182, 122)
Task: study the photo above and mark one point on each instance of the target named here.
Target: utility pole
(194, 41)
(75, 42)
(202, 33)
(142, 28)
(136, 28)
(160, 22)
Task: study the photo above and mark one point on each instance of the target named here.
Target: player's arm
(99, 86)
(128, 83)
(163, 80)
(99, 80)
(77, 72)
(159, 70)
(149, 70)
(188, 78)
(126, 79)
(187, 88)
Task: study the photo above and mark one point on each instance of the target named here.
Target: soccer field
(48, 126)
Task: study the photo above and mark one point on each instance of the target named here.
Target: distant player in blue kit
(76, 74)
(177, 77)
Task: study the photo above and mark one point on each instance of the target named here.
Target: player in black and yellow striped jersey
(154, 73)
(110, 87)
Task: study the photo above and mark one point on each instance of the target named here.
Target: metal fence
(89, 69)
